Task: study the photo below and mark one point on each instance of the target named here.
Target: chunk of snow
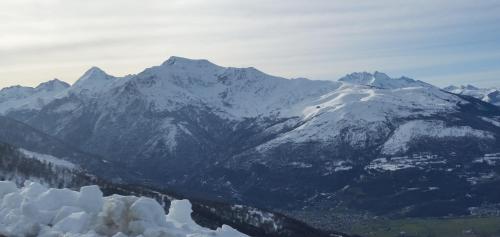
(74, 223)
(6, 187)
(90, 198)
(180, 212)
(36, 211)
(65, 212)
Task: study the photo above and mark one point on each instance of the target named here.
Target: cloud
(324, 40)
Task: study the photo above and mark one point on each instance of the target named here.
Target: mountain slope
(35, 210)
(20, 166)
(28, 99)
(301, 146)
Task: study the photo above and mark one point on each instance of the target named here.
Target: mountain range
(365, 145)
(490, 95)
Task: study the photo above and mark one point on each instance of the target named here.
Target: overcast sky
(441, 42)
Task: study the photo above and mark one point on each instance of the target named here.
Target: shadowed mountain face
(368, 142)
(19, 165)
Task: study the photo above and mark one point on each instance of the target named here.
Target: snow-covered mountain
(381, 80)
(241, 135)
(21, 98)
(490, 95)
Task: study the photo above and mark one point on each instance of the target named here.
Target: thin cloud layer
(443, 42)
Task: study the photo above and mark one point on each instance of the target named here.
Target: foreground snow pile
(37, 211)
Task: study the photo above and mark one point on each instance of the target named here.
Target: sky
(442, 42)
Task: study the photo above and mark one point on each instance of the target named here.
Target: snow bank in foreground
(37, 211)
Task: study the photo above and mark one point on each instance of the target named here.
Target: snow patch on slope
(420, 161)
(407, 132)
(34, 210)
(48, 158)
(492, 121)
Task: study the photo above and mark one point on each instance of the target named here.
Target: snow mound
(34, 210)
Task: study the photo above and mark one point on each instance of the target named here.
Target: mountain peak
(381, 80)
(15, 87)
(186, 62)
(490, 95)
(52, 85)
(451, 88)
(94, 74)
(380, 75)
(94, 71)
(461, 88)
(93, 80)
(470, 87)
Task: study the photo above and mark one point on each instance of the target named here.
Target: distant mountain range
(490, 95)
(365, 145)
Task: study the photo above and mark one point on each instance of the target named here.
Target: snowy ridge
(325, 106)
(93, 82)
(381, 80)
(207, 120)
(360, 104)
(365, 111)
(490, 95)
(34, 210)
(29, 98)
(235, 92)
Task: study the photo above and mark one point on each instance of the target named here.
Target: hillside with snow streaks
(419, 129)
(34, 210)
(48, 159)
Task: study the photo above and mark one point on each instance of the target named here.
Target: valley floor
(455, 227)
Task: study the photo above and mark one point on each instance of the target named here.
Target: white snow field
(34, 210)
